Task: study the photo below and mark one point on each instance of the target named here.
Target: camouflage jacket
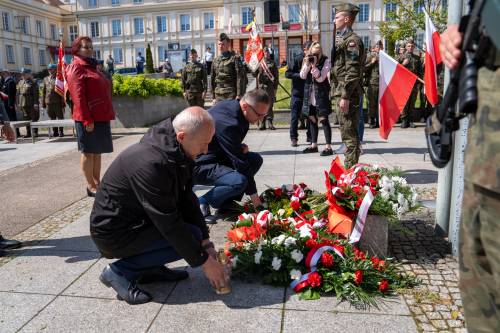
(228, 75)
(194, 78)
(49, 95)
(371, 74)
(347, 69)
(264, 82)
(414, 65)
(28, 93)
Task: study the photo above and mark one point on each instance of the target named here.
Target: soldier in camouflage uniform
(51, 100)
(28, 96)
(371, 76)
(228, 77)
(346, 82)
(480, 229)
(413, 63)
(194, 81)
(270, 85)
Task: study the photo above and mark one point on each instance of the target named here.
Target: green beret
(52, 66)
(223, 37)
(346, 7)
(25, 71)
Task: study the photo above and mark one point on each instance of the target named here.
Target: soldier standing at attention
(51, 100)
(228, 77)
(412, 62)
(194, 81)
(345, 76)
(27, 90)
(268, 81)
(372, 77)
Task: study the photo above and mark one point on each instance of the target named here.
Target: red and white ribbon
(264, 217)
(361, 218)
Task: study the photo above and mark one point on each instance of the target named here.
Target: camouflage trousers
(55, 111)
(225, 97)
(195, 99)
(349, 130)
(29, 113)
(372, 92)
(407, 112)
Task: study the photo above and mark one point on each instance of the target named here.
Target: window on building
(94, 29)
(208, 21)
(115, 2)
(9, 52)
(73, 32)
(41, 56)
(366, 41)
(96, 53)
(390, 8)
(162, 53)
(6, 21)
(185, 22)
(27, 56)
(364, 12)
(137, 1)
(294, 13)
(418, 6)
(246, 15)
(92, 3)
(23, 25)
(419, 41)
(116, 27)
(39, 28)
(118, 55)
(185, 48)
(138, 25)
(161, 24)
(53, 32)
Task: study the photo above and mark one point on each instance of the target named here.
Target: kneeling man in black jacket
(146, 214)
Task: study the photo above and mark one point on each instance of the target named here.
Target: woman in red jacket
(90, 93)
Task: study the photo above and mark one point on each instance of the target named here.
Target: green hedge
(140, 86)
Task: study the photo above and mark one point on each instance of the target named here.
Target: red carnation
(303, 185)
(381, 265)
(295, 204)
(383, 285)
(278, 192)
(314, 279)
(311, 243)
(373, 182)
(327, 259)
(339, 248)
(359, 255)
(358, 276)
(358, 202)
(375, 262)
(246, 208)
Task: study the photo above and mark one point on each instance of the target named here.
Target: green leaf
(309, 295)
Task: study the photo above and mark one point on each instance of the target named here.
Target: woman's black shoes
(90, 193)
(310, 150)
(327, 152)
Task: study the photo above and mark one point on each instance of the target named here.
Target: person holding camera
(316, 104)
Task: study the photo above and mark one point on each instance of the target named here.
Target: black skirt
(99, 141)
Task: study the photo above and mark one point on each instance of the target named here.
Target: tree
(149, 60)
(408, 18)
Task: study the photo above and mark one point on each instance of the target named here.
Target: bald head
(194, 129)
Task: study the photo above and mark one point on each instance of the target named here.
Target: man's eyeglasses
(260, 115)
(87, 47)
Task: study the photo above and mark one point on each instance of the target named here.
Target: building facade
(123, 28)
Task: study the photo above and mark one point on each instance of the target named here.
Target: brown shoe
(294, 143)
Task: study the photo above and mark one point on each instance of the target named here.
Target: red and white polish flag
(395, 86)
(60, 79)
(432, 59)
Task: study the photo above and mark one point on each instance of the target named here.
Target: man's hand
(344, 105)
(451, 40)
(244, 148)
(215, 273)
(256, 200)
(90, 127)
(211, 249)
(6, 132)
(405, 62)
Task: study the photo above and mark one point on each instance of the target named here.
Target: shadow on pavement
(421, 176)
(278, 152)
(420, 151)
(6, 149)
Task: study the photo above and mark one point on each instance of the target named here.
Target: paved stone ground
(51, 285)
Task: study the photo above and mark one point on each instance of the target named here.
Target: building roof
(55, 3)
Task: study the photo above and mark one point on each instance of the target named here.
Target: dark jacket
(321, 93)
(148, 187)
(9, 88)
(293, 73)
(231, 127)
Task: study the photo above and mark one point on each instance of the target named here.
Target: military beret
(346, 7)
(25, 71)
(223, 37)
(193, 51)
(52, 66)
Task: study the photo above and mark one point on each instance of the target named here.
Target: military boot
(61, 133)
(55, 131)
(271, 126)
(262, 125)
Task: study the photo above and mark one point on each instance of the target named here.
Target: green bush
(140, 86)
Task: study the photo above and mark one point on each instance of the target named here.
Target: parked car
(126, 71)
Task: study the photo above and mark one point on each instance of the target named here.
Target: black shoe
(294, 143)
(404, 124)
(327, 152)
(162, 274)
(2, 253)
(309, 150)
(262, 128)
(412, 125)
(6, 244)
(90, 193)
(209, 218)
(126, 290)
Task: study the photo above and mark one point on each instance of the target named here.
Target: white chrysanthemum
(257, 257)
(281, 212)
(276, 263)
(234, 261)
(297, 256)
(295, 274)
(290, 241)
(401, 199)
(278, 240)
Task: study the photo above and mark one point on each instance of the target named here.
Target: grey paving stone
(308, 321)
(198, 290)
(77, 314)
(392, 305)
(17, 309)
(44, 271)
(201, 318)
(88, 285)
